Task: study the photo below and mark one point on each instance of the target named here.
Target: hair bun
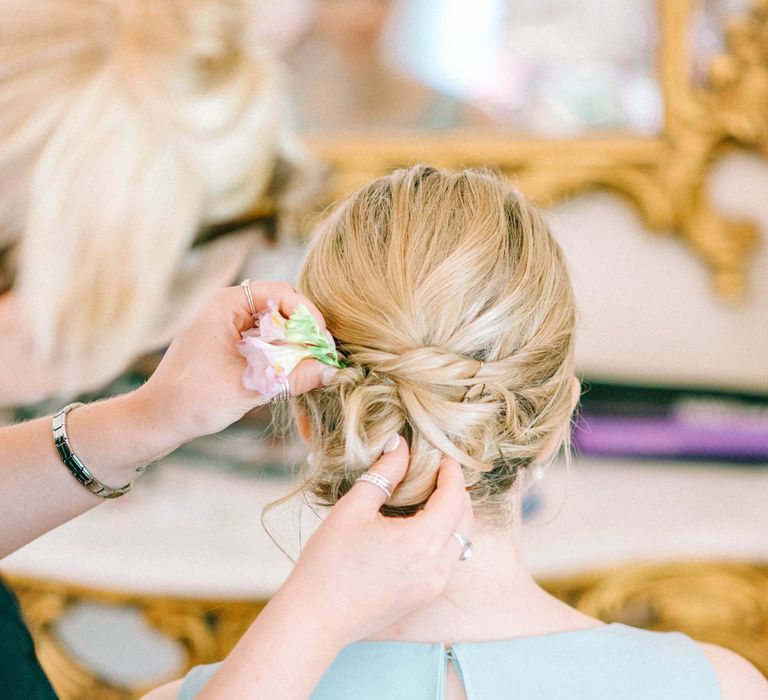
(418, 275)
(422, 366)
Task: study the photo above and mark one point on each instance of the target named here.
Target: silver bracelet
(72, 461)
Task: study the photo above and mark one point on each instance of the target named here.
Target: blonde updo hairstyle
(125, 125)
(450, 300)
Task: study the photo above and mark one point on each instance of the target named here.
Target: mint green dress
(613, 662)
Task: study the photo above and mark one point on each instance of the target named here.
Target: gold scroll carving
(665, 177)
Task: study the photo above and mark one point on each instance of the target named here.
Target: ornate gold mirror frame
(664, 176)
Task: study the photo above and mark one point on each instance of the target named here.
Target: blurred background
(641, 128)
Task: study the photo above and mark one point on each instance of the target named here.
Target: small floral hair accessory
(277, 344)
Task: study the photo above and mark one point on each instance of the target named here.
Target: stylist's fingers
(392, 466)
(449, 500)
(281, 293)
(288, 302)
(308, 375)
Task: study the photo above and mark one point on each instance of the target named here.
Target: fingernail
(328, 374)
(392, 443)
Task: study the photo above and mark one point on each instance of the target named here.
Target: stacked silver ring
(246, 285)
(283, 393)
(378, 481)
(464, 543)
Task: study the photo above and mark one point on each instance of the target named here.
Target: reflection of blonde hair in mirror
(451, 300)
(124, 126)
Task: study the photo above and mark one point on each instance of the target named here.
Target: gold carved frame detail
(664, 176)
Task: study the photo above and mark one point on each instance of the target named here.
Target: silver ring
(283, 393)
(464, 543)
(378, 481)
(246, 285)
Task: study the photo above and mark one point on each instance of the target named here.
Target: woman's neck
(489, 596)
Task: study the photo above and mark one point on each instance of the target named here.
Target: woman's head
(451, 301)
(124, 126)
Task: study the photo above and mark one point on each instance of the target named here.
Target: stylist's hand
(358, 573)
(198, 384)
(364, 571)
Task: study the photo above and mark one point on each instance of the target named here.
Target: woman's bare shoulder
(739, 679)
(169, 691)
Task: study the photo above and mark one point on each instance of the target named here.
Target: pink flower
(271, 323)
(259, 375)
(277, 344)
(268, 365)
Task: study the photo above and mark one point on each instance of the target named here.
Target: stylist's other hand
(198, 387)
(362, 571)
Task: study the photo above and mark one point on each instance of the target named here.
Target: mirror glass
(552, 68)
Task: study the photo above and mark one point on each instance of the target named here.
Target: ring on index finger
(246, 285)
(377, 480)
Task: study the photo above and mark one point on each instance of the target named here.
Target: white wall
(647, 305)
